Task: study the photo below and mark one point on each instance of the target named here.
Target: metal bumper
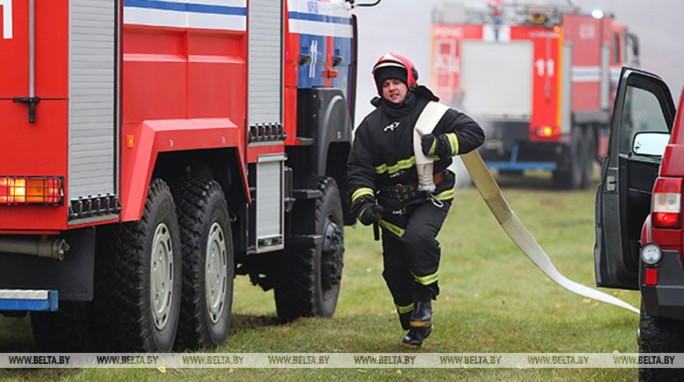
(29, 300)
(666, 298)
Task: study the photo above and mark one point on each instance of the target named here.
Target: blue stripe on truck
(50, 304)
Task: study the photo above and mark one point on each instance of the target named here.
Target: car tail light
(666, 202)
(19, 190)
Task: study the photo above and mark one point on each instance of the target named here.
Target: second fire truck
(539, 77)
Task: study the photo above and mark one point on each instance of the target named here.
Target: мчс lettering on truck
(540, 79)
(152, 150)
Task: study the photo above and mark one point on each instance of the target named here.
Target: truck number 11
(544, 66)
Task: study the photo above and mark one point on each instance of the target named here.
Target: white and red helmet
(394, 65)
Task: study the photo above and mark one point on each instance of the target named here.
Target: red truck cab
(639, 210)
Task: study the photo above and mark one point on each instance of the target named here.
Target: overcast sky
(404, 26)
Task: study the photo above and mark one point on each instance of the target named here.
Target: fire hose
(511, 224)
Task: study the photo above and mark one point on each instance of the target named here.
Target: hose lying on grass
(491, 193)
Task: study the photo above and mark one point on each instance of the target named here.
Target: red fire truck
(152, 149)
(539, 77)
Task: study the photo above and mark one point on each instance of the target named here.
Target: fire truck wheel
(660, 335)
(208, 264)
(308, 281)
(569, 176)
(67, 331)
(138, 295)
(589, 146)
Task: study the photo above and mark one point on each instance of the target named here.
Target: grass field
(493, 300)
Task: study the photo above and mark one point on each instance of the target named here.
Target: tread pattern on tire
(660, 335)
(193, 198)
(122, 301)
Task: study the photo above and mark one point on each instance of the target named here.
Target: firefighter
(384, 191)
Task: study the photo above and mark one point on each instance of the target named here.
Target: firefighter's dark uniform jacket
(382, 167)
(382, 155)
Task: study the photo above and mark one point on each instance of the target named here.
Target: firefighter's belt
(400, 192)
(403, 192)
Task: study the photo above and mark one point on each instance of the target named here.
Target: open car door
(643, 104)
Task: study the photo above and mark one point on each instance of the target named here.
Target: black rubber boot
(405, 320)
(415, 336)
(421, 322)
(422, 313)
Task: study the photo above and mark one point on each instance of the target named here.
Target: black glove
(435, 145)
(370, 213)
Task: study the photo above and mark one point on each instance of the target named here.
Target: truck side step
(32, 300)
(300, 193)
(305, 240)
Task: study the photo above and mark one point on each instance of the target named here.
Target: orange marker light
(30, 190)
(547, 132)
(332, 73)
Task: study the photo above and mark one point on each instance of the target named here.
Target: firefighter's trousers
(411, 262)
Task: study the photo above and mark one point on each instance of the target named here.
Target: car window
(642, 112)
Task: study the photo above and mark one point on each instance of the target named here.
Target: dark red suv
(639, 212)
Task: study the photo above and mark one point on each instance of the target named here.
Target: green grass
(493, 300)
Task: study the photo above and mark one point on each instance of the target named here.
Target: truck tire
(69, 330)
(571, 173)
(308, 280)
(589, 146)
(138, 278)
(208, 264)
(660, 335)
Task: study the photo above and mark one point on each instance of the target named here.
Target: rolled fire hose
(511, 224)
